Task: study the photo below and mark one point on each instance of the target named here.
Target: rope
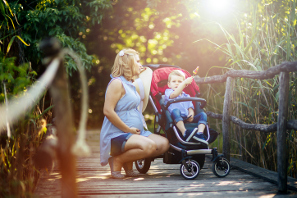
(81, 148)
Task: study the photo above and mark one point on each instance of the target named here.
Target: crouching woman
(123, 138)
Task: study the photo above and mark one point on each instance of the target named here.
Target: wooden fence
(282, 124)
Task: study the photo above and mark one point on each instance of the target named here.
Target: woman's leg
(129, 165)
(162, 146)
(161, 142)
(136, 147)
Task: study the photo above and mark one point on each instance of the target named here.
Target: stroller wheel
(200, 158)
(190, 172)
(221, 167)
(143, 165)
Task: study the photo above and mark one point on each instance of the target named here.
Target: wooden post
(281, 132)
(226, 117)
(63, 121)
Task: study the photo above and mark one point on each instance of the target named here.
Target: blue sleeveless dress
(126, 109)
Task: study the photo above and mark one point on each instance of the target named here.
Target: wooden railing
(55, 79)
(282, 124)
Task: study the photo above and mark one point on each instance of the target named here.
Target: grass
(18, 175)
(266, 37)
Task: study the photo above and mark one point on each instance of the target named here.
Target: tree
(23, 25)
(162, 33)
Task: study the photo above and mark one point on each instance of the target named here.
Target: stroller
(190, 154)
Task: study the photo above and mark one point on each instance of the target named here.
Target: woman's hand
(134, 130)
(142, 69)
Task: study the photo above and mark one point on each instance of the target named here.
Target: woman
(123, 138)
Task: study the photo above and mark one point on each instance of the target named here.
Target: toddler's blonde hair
(176, 73)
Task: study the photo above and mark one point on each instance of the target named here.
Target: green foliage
(161, 31)
(152, 45)
(17, 171)
(25, 24)
(17, 78)
(77, 46)
(266, 37)
(6, 33)
(96, 7)
(65, 20)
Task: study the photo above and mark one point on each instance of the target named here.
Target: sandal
(130, 173)
(117, 175)
(114, 174)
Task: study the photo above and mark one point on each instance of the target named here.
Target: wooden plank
(230, 194)
(162, 180)
(145, 187)
(263, 173)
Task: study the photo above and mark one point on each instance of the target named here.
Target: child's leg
(175, 114)
(201, 128)
(181, 126)
(201, 119)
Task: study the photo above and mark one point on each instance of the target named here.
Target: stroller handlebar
(193, 99)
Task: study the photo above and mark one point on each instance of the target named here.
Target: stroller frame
(192, 153)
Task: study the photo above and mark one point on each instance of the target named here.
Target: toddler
(183, 110)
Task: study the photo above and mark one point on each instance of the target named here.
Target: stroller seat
(190, 142)
(175, 137)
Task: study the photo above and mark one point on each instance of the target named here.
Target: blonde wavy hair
(125, 65)
(176, 73)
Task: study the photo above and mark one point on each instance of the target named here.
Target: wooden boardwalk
(162, 180)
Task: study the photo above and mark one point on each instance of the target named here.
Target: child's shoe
(194, 136)
(201, 136)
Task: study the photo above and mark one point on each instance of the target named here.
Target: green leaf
(250, 43)
(11, 22)
(2, 8)
(10, 44)
(46, 110)
(8, 7)
(22, 40)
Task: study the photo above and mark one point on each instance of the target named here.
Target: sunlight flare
(219, 7)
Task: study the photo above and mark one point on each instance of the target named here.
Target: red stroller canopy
(160, 79)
